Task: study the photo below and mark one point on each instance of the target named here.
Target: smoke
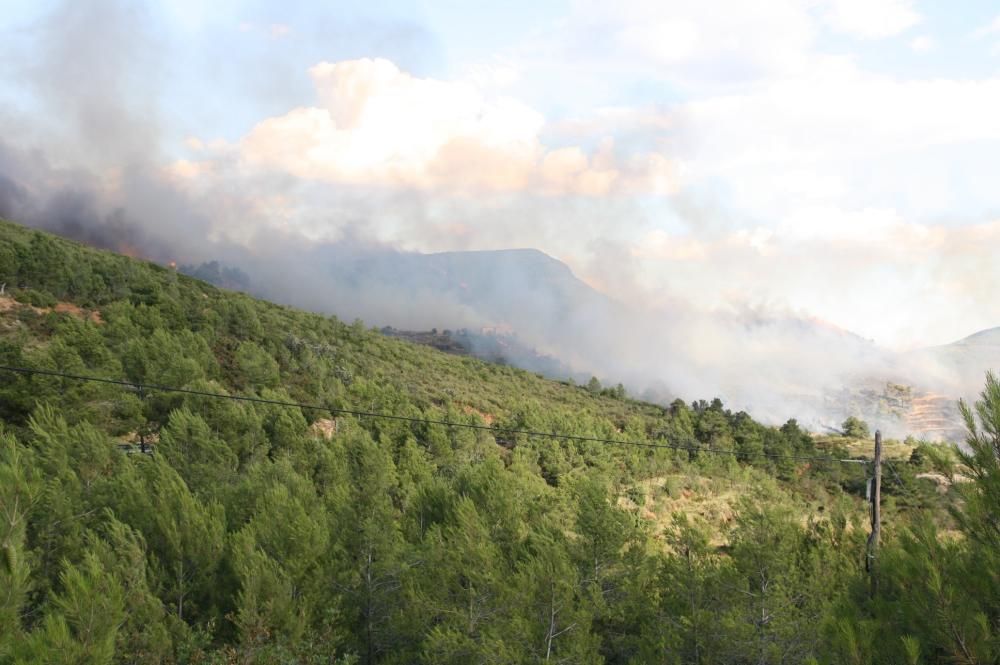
(91, 164)
(774, 364)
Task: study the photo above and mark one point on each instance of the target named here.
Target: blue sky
(711, 147)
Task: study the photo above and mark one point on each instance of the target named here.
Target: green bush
(35, 298)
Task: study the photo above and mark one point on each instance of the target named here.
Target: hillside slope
(522, 292)
(257, 532)
(503, 286)
(961, 364)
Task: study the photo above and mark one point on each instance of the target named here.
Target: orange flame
(130, 251)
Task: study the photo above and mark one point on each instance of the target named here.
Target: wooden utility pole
(876, 500)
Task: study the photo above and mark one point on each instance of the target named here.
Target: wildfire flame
(128, 250)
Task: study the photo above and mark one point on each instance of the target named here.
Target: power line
(411, 419)
(892, 468)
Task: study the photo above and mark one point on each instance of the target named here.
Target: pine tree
(980, 519)
(684, 626)
(458, 590)
(277, 558)
(143, 635)
(550, 616)
(184, 536)
(20, 488)
(204, 462)
(369, 550)
(771, 616)
(82, 625)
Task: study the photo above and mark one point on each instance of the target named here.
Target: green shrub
(35, 298)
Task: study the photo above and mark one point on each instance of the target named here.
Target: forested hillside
(155, 526)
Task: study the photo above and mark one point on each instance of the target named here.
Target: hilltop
(253, 531)
(957, 369)
(988, 337)
(531, 300)
(501, 285)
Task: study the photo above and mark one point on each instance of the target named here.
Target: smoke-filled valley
(775, 365)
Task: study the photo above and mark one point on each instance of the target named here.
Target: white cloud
(811, 139)
(279, 30)
(273, 30)
(991, 28)
(376, 124)
(922, 44)
(695, 41)
(871, 19)
(667, 41)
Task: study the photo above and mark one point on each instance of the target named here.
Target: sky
(831, 159)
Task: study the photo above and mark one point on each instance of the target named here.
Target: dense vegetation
(258, 533)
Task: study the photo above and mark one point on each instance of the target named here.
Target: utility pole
(876, 500)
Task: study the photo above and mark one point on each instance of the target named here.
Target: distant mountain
(515, 306)
(961, 365)
(522, 289)
(984, 338)
(502, 295)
